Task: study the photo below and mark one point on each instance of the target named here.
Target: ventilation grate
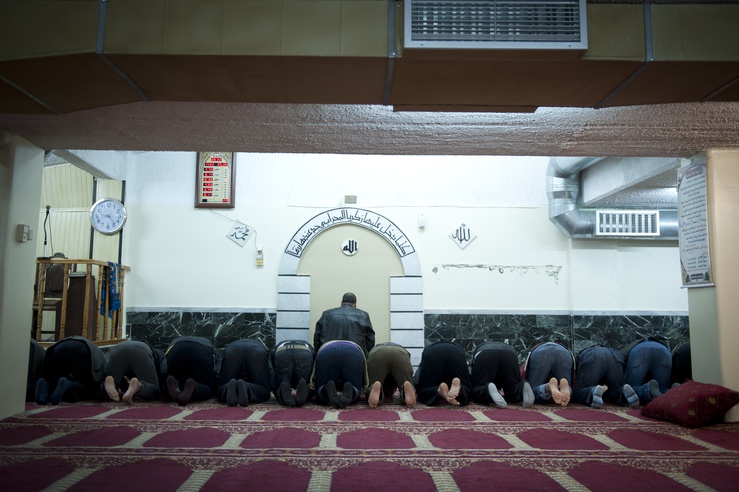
(496, 24)
(632, 223)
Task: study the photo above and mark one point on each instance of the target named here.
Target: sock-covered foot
(62, 387)
(409, 394)
(598, 396)
(42, 392)
(654, 391)
(528, 395)
(554, 391)
(333, 397)
(631, 397)
(231, 394)
(301, 393)
(243, 392)
(286, 395)
(374, 397)
(564, 389)
(184, 397)
(173, 388)
(347, 395)
(495, 395)
(111, 390)
(134, 386)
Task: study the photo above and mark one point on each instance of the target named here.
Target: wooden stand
(82, 306)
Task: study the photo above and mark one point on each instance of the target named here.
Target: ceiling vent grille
(632, 223)
(496, 24)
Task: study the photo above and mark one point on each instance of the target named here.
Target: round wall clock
(108, 215)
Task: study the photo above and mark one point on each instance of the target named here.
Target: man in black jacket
(343, 338)
(345, 322)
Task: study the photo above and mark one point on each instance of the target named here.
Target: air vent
(632, 223)
(496, 24)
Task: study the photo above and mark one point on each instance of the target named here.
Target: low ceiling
(470, 106)
(640, 132)
(663, 130)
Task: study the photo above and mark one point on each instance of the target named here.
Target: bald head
(349, 298)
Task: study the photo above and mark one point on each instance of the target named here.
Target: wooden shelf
(80, 307)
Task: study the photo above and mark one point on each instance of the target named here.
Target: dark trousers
(341, 363)
(497, 363)
(134, 359)
(187, 359)
(440, 363)
(292, 361)
(597, 366)
(71, 359)
(35, 361)
(682, 368)
(648, 360)
(546, 361)
(247, 360)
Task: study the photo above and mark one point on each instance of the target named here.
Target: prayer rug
(209, 446)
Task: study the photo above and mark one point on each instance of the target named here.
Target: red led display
(214, 184)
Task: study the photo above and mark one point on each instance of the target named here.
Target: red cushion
(692, 404)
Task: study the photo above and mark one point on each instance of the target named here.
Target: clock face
(108, 216)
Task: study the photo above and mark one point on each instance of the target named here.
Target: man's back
(345, 323)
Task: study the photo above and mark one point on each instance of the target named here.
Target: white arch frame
(406, 292)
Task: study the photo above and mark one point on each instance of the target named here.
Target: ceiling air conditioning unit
(496, 24)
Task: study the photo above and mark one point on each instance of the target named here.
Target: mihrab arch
(406, 292)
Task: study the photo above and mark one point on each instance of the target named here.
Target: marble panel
(293, 302)
(415, 357)
(406, 285)
(293, 319)
(618, 331)
(161, 327)
(408, 338)
(406, 320)
(293, 334)
(295, 284)
(406, 302)
(524, 331)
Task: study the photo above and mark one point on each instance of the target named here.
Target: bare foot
(564, 389)
(409, 394)
(450, 395)
(374, 396)
(111, 390)
(554, 390)
(444, 393)
(134, 386)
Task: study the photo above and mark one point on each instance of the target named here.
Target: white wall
(21, 165)
(519, 262)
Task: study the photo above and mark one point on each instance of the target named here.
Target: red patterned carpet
(209, 446)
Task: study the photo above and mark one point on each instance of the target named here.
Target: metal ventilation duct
(496, 24)
(563, 191)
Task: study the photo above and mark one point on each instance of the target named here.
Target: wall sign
(350, 247)
(240, 233)
(463, 236)
(214, 183)
(357, 216)
(692, 217)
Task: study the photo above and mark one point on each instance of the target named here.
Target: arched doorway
(405, 290)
